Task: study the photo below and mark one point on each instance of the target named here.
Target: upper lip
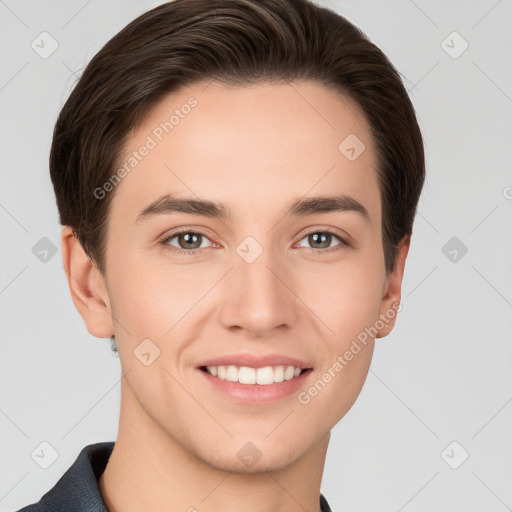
(254, 361)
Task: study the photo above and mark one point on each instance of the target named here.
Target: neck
(152, 469)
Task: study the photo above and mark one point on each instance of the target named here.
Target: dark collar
(78, 490)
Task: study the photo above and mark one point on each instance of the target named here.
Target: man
(237, 181)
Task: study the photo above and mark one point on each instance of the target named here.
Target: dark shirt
(78, 491)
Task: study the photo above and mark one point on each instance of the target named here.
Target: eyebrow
(169, 203)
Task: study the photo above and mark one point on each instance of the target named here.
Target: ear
(87, 286)
(392, 291)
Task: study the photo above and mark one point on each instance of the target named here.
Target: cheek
(346, 296)
(150, 295)
(348, 303)
(148, 300)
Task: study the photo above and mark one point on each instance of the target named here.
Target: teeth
(247, 375)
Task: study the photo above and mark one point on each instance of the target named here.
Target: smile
(247, 375)
(247, 385)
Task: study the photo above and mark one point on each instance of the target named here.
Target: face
(302, 282)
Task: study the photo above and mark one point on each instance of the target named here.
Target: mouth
(255, 386)
(250, 378)
(263, 376)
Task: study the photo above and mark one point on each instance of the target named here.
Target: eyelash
(320, 252)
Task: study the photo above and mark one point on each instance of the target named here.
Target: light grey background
(443, 375)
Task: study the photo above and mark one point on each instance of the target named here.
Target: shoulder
(78, 488)
(324, 505)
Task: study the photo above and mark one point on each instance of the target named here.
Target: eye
(323, 239)
(187, 241)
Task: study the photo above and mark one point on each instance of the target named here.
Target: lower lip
(257, 393)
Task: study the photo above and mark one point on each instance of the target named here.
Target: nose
(258, 297)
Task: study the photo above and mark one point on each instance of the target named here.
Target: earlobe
(393, 290)
(87, 286)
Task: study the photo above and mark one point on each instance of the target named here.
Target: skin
(255, 149)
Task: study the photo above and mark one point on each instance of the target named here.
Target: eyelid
(345, 239)
(167, 236)
(340, 233)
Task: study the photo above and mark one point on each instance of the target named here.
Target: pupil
(191, 238)
(324, 237)
(316, 238)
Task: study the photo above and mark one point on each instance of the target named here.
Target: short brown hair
(234, 42)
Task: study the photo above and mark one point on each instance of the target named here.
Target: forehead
(255, 146)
